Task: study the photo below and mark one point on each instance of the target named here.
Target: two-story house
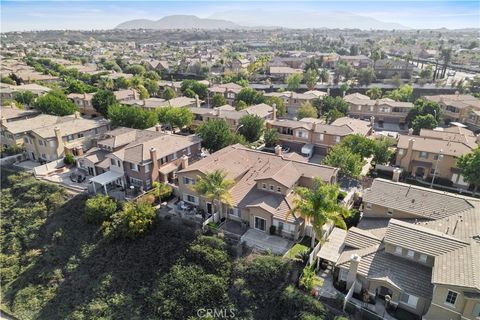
(389, 114)
(458, 108)
(84, 103)
(262, 194)
(293, 101)
(300, 135)
(434, 153)
(418, 246)
(228, 90)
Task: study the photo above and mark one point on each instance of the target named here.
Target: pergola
(333, 246)
(104, 179)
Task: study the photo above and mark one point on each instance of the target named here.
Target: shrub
(69, 159)
(133, 221)
(100, 208)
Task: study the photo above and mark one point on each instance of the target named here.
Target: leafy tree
(311, 78)
(143, 92)
(134, 220)
(189, 86)
(271, 137)
(426, 73)
(132, 117)
(55, 103)
(135, 69)
(293, 81)
(161, 190)
(469, 165)
(8, 80)
(344, 70)
(333, 115)
(359, 144)
(241, 105)
(25, 97)
(215, 186)
(152, 87)
(307, 111)
(421, 108)
(366, 76)
(404, 93)
(374, 93)
(175, 117)
(69, 159)
(423, 122)
(382, 152)
(168, 94)
(121, 83)
(218, 100)
(344, 88)
(103, 100)
(324, 75)
(319, 206)
(342, 157)
(250, 96)
(279, 103)
(152, 75)
(251, 127)
(329, 103)
(210, 253)
(215, 134)
(100, 208)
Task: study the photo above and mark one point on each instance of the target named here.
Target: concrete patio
(265, 242)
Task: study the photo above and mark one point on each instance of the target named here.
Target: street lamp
(439, 157)
(236, 131)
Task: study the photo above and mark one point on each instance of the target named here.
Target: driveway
(265, 242)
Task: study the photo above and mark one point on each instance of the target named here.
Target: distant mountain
(305, 19)
(178, 22)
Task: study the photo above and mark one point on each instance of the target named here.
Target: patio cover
(168, 168)
(333, 246)
(106, 177)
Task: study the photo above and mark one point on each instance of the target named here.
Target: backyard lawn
(298, 247)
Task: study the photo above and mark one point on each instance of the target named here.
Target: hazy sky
(41, 15)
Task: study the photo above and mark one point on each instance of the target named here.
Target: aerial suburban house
(238, 64)
(418, 246)
(230, 114)
(435, 152)
(307, 137)
(70, 136)
(293, 101)
(84, 103)
(228, 90)
(139, 157)
(282, 73)
(262, 193)
(387, 68)
(10, 91)
(462, 108)
(358, 62)
(10, 113)
(388, 114)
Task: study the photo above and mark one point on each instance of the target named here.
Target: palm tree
(319, 206)
(161, 190)
(215, 187)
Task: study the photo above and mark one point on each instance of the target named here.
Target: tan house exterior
(262, 195)
(461, 108)
(228, 90)
(419, 246)
(420, 155)
(293, 101)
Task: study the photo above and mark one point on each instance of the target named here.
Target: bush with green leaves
(100, 208)
(175, 117)
(271, 137)
(190, 88)
(55, 103)
(251, 127)
(69, 159)
(134, 220)
(347, 161)
(131, 117)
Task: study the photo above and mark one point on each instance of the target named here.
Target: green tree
(423, 122)
(134, 220)
(374, 93)
(131, 117)
(152, 75)
(161, 190)
(241, 105)
(152, 87)
(175, 117)
(344, 87)
(344, 70)
(359, 144)
(318, 206)
(311, 78)
(324, 75)
(250, 96)
(279, 104)
(215, 134)
(121, 83)
(382, 153)
(329, 103)
(215, 186)
(342, 157)
(168, 94)
(55, 103)
(366, 76)
(271, 137)
(293, 81)
(251, 127)
(103, 100)
(100, 208)
(404, 93)
(421, 108)
(469, 165)
(135, 69)
(426, 73)
(8, 80)
(189, 86)
(332, 115)
(218, 100)
(25, 97)
(307, 111)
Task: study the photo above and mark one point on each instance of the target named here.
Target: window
(320, 136)
(368, 205)
(136, 182)
(476, 310)
(451, 297)
(26, 140)
(260, 223)
(70, 137)
(435, 156)
(190, 199)
(343, 275)
(134, 166)
(187, 180)
(400, 152)
(422, 258)
(337, 139)
(409, 299)
(95, 130)
(279, 189)
(264, 185)
(80, 135)
(148, 184)
(147, 167)
(174, 156)
(271, 187)
(398, 250)
(390, 211)
(44, 156)
(424, 154)
(234, 212)
(410, 254)
(301, 134)
(41, 142)
(113, 162)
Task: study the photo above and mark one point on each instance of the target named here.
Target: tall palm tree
(215, 187)
(319, 206)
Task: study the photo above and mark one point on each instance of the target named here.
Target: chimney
(184, 162)
(134, 92)
(410, 144)
(77, 115)
(60, 145)
(396, 174)
(3, 120)
(278, 150)
(274, 113)
(197, 101)
(85, 96)
(352, 272)
(158, 128)
(79, 151)
(372, 121)
(154, 168)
